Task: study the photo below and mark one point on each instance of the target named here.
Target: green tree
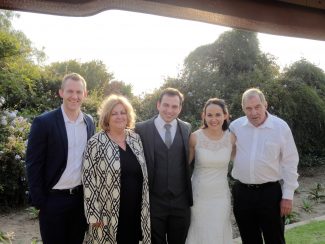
(5, 19)
(118, 87)
(296, 98)
(224, 69)
(236, 51)
(305, 72)
(19, 70)
(95, 72)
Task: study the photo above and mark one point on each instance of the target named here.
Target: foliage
(6, 237)
(307, 206)
(92, 103)
(291, 218)
(147, 107)
(118, 87)
(19, 64)
(32, 212)
(309, 160)
(316, 193)
(5, 19)
(43, 97)
(94, 72)
(311, 233)
(13, 135)
(236, 51)
(305, 72)
(222, 69)
(292, 101)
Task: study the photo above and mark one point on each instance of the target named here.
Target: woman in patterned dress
(115, 179)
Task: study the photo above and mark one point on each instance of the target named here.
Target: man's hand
(286, 207)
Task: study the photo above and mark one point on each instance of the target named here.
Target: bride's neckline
(217, 139)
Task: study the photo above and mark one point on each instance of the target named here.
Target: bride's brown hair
(221, 103)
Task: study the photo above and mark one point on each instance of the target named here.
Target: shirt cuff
(288, 194)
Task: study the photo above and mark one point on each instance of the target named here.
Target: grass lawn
(312, 233)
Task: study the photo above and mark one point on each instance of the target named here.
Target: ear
(61, 93)
(85, 93)
(202, 115)
(265, 104)
(158, 104)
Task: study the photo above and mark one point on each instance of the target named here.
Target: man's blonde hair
(75, 77)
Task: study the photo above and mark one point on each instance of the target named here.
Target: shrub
(291, 218)
(13, 134)
(316, 193)
(307, 206)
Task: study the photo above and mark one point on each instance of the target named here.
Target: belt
(258, 186)
(71, 191)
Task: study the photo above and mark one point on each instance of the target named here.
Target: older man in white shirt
(265, 155)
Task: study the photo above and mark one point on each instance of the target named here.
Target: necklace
(119, 140)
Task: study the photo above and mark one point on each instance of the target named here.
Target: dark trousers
(170, 220)
(62, 219)
(257, 212)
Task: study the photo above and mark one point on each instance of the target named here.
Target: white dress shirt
(159, 123)
(77, 140)
(265, 153)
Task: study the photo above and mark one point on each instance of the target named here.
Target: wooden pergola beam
(273, 17)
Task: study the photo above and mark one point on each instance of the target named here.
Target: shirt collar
(79, 120)
(268, 123)
(161, 122)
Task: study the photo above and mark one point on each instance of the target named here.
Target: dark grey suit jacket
(146, 131)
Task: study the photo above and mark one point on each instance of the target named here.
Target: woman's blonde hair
(107, 106)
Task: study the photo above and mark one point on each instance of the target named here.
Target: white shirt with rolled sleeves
(265, 153)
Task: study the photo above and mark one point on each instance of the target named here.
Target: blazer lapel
(150, 140)
(62, 131)
(185, 136)
(88, 126)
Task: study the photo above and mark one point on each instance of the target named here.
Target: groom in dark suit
(165, 141)
(54, 160)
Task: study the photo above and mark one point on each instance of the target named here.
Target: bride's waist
(210, 190)
(210, 182)
(211, 173)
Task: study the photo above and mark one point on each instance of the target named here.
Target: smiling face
(118, 118)
(73, 94)
(169, 107)
(255, 110)
(214, 116)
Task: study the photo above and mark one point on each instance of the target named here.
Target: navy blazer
(146, 131)
(47, 153)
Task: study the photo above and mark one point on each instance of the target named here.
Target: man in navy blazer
(54, 163)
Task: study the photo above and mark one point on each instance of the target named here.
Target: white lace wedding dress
(210, 214)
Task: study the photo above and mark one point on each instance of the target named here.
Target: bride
(212, 147)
